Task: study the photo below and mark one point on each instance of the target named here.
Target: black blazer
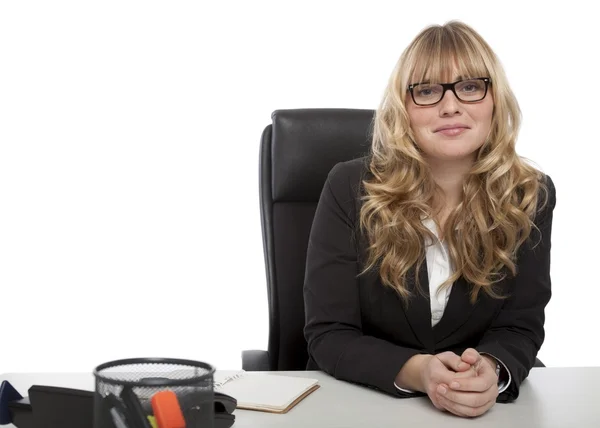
(359, 330)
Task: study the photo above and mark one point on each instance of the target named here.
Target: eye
(427, 90)
(470, 86)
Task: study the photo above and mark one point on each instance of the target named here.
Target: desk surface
(550, 398)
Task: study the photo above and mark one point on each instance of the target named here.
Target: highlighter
(167, 411)
(152, 421)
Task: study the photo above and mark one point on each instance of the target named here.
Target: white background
(129, 136)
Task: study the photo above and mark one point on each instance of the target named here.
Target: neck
(450, 176)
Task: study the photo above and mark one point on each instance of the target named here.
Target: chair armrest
(255, 360)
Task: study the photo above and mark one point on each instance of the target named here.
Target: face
(470, 123)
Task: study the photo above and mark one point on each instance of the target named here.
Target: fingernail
(442, 390)
(454, 385)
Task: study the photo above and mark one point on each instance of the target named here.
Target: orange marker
(166, 410)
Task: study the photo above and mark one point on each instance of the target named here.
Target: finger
(463, 367)
(469, 373)
(453, 361)
(462, 410)
(470, 356)
(442, 374)
(479, 383)
(469, 399)
(437, 405)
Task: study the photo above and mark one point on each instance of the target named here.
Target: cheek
(486, 114)
(418, 121)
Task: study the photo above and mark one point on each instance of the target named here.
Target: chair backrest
(297, 152)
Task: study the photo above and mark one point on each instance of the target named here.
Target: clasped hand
(464, 385)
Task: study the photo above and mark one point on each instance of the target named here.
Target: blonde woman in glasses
(428, 267)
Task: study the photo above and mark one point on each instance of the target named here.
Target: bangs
(444, 56)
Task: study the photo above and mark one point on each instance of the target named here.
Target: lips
(452, 126)
(452, 132)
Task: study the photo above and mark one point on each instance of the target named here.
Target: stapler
(57, 407)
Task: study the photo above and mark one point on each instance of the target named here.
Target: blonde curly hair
(500, 194)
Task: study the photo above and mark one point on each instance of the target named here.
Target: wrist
(494, 364)
(411, 374)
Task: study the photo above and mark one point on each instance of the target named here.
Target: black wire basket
(151, 392)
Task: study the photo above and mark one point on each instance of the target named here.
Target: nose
(449, 105)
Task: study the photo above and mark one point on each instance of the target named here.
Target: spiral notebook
(264, 392)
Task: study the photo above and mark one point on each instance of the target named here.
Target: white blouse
(439, 269)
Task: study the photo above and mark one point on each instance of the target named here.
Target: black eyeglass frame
(450, 87)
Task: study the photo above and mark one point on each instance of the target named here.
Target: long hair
(499, 195)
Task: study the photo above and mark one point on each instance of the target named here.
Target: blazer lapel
(418, 312)
(457, 312)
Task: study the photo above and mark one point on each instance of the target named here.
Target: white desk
(550, 398)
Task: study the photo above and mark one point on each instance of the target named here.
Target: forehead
(438, 72)
(445, 62)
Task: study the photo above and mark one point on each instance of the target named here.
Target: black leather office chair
(297, 152)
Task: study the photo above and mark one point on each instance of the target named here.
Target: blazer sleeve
(331, 296)
(517, 333)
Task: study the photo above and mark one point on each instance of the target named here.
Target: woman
(428, 267)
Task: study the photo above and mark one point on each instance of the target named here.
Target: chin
(457, 156)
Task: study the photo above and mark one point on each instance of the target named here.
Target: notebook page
(222, 376)
(267, 390)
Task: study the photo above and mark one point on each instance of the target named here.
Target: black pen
(139, 418)
(118, 412)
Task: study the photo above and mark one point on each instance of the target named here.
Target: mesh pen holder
(152, 392)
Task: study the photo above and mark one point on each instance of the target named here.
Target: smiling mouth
(451, 132)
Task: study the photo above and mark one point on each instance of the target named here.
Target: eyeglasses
(469, 91)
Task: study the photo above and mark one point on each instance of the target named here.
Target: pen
(136, 411)
(117, 411)
(118, 419)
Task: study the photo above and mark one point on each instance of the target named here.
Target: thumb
(453, 362)
(471, 356)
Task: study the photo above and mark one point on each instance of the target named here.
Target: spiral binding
(228, 379)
